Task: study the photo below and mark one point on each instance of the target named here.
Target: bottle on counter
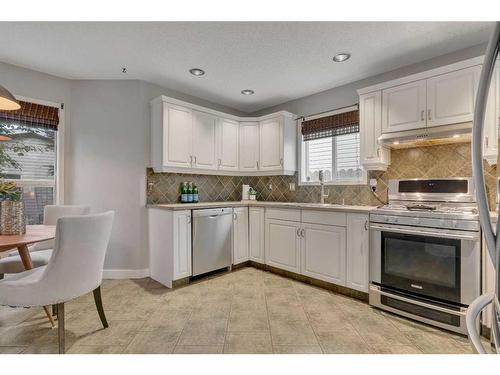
(184, 192)
(195, 194)
(190, 192)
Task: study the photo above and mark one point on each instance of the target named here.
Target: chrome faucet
(321, 178)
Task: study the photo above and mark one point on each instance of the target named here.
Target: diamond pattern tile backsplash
(451, 160)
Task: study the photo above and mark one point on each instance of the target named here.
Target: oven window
(423, 265)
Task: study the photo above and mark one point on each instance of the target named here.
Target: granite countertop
(312, 206)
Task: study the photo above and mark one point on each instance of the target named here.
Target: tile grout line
(309, 321)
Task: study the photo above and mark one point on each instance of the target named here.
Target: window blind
(32, 114)
(331, 126)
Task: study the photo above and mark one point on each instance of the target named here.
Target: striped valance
(331, 126)
(32, 114)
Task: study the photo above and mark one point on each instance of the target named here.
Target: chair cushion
(13, 263)
(17, 290)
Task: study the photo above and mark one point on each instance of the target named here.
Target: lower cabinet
(283, 244)
(169, 245)
(240, 235)
(324, 252)
(182, 244)
(357, 253)
(256, 229)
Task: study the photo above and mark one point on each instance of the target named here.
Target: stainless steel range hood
(427, 134)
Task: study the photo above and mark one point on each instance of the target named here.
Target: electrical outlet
(291, 186)
(270, 186)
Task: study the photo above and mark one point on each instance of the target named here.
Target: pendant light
(7, 100)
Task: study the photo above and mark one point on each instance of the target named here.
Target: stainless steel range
(425, 251)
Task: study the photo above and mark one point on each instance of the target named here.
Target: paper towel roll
(244, 192)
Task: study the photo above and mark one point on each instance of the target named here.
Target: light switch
(291, 186)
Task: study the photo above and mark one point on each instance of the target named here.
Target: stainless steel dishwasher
(212, 239)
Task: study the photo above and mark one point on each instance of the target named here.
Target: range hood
(435, 135)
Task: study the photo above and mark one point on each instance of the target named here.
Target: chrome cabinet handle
(429, 117)
(298, 232)
(422, 115)
(195, 160)
(257, 164)
(366, 224)
(303, 233)
(235, 216)
(281, 161)
(486, 142)
(378, 152)
(189, 219)
(220, 162)
(191, 159)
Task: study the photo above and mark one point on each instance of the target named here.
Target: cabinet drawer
(324, 217)
(289, 214)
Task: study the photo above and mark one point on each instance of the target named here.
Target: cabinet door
(249, 146)
(403, 107)
(271, 144)
(240, 235)
(283, 244)
(357, 252)
(204, 140)
(451, 96)
(228, 145)
(182, 244)
(324, 252)
(490, 142)
(178, 133)
(256, 233)
(373, 155)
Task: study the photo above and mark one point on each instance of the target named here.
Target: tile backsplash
(451, 160)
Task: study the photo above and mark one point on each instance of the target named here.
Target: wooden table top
(34, 233)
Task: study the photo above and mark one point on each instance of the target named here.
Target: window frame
(302, 161)
(59, 167)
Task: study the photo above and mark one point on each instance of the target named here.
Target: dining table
(34, 234)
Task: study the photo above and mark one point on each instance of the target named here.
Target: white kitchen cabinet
(256, 229)
(357, 251)
(271, 144)
(323, 252)
(182, 244)
(204, 140)
(249, 146)
(228, 145)
(283, 244)
(184, 139)
(491, 120)
(451, 97)
(169, 234)
(404, 107)
(373, 155)
(177, 136)
(240, 235)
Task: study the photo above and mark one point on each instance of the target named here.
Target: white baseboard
(126, 274)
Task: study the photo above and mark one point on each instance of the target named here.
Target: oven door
(426, 262)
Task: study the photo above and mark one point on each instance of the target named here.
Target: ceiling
(280, 61)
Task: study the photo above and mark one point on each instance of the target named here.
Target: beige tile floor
(246, 311)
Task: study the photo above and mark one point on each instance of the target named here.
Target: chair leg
(1, 276)
(60, 327)
(98, 304)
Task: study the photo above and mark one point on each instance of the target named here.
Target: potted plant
(252, 194)
(11, 209)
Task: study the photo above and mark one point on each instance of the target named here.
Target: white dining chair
(74, 269)
(40, 252)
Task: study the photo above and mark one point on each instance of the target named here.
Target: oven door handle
(419, 303)
(429, 233)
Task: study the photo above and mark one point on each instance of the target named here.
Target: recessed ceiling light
(197, 72)
(247, 92)
(395, 143)
(456, 135)
(341, 57)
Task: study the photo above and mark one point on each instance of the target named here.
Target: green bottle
(190, 193)
(195, 194)
(184, 192)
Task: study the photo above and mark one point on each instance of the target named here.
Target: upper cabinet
(249, 146)
(403, 107)
(229, 145)
(186, 138)
(204, 140)
(271, 140)
(451, 97)
(373, 155)
(437, 103)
